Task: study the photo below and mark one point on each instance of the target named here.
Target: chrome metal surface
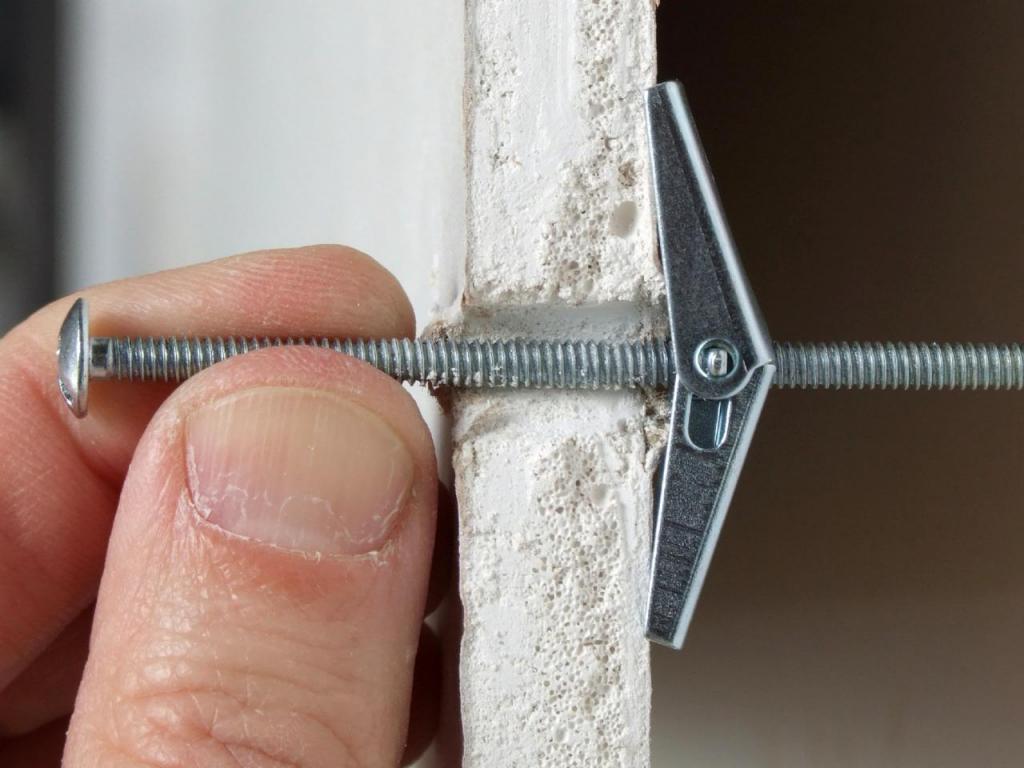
(707, 293)
(899, 365)
(463, 363)
(716, 359)
(72, 353)
(533, 364)
(697, 485)
(723, 361)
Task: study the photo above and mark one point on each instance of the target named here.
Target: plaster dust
(554, 488)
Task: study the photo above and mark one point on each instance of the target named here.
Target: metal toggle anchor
(723, 361)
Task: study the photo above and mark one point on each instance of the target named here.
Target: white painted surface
(197, 129)
(554, 496)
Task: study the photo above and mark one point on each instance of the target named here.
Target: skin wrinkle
(146, 590)
(300, 637)
(104, 747)
(185, 724)
(188, 741)
(200, 608)
(235, 749)
(290, 283)
(336, 684)
(357, 285)
(146, 594)
(31, 483)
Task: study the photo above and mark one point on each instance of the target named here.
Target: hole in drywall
(623, 219)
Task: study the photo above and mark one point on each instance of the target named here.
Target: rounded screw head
(716, 359)
(73, 358)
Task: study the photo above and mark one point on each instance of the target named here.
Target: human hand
(266, 573)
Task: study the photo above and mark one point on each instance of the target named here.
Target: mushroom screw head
(73, 358)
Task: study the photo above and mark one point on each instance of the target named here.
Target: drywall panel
(554, 488)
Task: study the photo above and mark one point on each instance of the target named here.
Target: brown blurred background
(866, 602)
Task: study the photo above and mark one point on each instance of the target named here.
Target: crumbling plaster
(554, 488)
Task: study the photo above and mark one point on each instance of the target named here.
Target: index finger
(60, 477)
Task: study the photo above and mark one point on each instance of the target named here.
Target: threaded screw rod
(449, 362)
(899, 365)
(540, 364)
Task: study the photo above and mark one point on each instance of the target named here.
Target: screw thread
(516, 363)
(898, 365)
(648, 364)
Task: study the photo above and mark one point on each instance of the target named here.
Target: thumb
(265, 581)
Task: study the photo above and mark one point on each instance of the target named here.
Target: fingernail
(301, 469)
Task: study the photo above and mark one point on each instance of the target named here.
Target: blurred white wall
(197, 129)
(194, 130)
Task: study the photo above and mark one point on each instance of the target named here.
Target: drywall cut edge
(554, 488)
(555, 541)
